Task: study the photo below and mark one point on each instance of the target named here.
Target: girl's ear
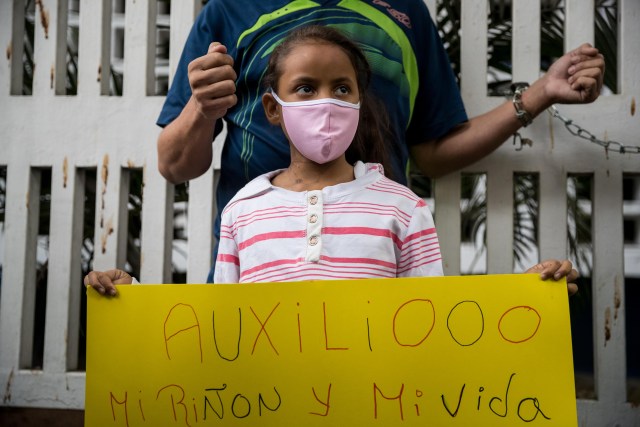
(271, 109)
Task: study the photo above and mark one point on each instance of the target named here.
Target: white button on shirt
(314, 225)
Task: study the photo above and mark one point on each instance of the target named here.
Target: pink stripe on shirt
(271, 236)
(388, 186)
(270, 264)
(228, 258)
(373, 261)
(421, 233)
(313, 271)
(368, 231)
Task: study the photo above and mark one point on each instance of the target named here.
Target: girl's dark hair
(370, 143)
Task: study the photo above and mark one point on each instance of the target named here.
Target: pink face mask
(321, 129)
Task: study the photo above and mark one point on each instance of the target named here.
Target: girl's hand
(104, 281)
(556, 269)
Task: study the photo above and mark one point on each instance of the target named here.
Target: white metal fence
(71, 135)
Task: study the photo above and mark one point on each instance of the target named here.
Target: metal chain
(581, 132)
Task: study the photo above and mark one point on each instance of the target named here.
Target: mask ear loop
(275, 96)
(315, 102)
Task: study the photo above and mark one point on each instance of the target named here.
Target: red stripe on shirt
(373, 261)
(274, 215)
(228, 258)
(421, 233)
(271, 236)
(417, 244)
(368, 231)
(387, 186)
(270, 264)
(279, 210)
(307, 268)
(319, 274)
(419, 263)
(373, 206)
(411, 258)
(404, 222)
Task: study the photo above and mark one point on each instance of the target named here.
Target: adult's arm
(185, 145)
(574, 78)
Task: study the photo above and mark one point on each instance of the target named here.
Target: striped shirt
(370, 227)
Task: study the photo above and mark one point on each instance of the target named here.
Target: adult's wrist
(196, 115)
(534, 100)
(522, 114)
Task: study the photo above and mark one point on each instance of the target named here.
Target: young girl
(328, 215)
(332, 214)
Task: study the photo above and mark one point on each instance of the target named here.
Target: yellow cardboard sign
(446, 351)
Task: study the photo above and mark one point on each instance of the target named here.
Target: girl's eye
(342, 90)
(304, 90)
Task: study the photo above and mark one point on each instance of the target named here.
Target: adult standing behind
(220, 73)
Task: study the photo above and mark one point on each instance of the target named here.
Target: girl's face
(317, 70)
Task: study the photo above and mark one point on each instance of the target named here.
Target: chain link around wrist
(523, 115)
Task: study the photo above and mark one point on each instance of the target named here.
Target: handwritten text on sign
(448, 351)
